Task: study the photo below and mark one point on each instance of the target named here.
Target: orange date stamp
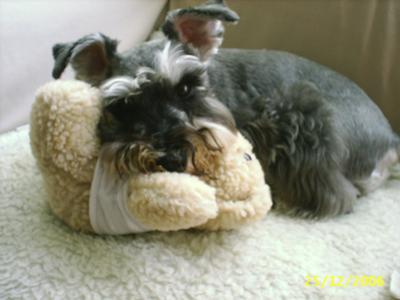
(344, 281)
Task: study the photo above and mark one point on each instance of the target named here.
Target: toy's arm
(63, 127)
(171, 201)
(235, 213)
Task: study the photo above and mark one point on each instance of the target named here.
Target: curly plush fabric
(40, 258)
(65, 122)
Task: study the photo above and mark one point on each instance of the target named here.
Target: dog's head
(158, 111)
(166, 114)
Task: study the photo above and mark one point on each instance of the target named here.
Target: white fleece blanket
(40, 258)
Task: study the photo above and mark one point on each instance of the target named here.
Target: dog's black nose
(173, 161)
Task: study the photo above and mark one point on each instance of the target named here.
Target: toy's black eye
(247, 157)
(184, 90)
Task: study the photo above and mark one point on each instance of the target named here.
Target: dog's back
(267, 74)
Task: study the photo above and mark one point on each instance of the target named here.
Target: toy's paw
(171, 201)
(233, 214)
(64, 119)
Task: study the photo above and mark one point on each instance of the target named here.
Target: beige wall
(360, 39)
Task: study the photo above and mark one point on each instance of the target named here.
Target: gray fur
(316, 132)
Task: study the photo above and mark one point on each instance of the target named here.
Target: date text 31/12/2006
(344, 281)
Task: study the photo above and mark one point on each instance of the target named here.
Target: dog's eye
(184, 90)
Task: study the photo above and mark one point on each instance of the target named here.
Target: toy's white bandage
(108, 209)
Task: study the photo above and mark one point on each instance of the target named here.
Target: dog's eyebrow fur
(118, 88)
(173, 63)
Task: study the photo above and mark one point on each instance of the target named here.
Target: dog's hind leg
(302, 153)
(321, 193)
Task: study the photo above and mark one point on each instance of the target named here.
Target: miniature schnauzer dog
(321, 140)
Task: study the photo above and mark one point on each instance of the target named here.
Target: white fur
(173, 63)
(120, 87)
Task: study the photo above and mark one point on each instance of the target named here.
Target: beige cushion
(360, 39)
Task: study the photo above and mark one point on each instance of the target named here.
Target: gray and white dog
(321, 140)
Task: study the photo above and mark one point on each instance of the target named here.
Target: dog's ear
(90, 57)
(200, 27)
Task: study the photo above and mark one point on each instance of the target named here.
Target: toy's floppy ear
(200, 27)
(90, 57)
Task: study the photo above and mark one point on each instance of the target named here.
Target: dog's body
(322, 142)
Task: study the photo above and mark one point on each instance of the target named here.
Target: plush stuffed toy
(64, 142)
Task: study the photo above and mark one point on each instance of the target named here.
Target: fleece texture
(64, 119)
(63, 124)
(41, 258)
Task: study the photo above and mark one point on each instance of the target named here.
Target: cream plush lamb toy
(63, 138)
